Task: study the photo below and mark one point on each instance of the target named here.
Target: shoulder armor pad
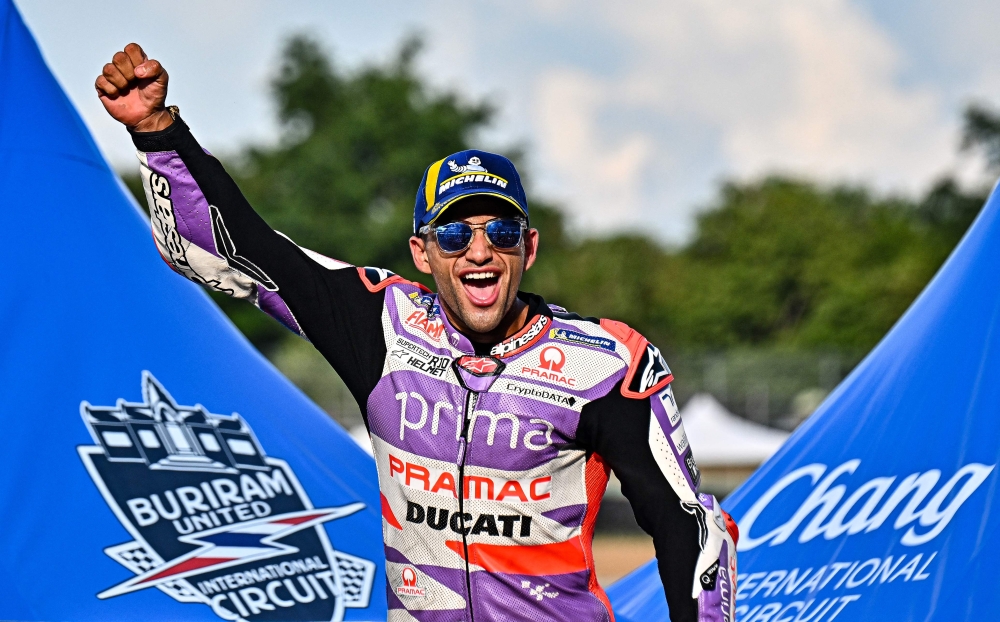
(647, 371)
(377, 279)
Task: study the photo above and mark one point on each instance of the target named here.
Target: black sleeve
(189, 191)
(617, 429)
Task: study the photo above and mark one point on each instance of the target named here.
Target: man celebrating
(495, 418)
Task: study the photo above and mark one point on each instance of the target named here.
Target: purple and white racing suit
(492, 459)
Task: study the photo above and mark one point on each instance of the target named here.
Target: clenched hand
(133, 89)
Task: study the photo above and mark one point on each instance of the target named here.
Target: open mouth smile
(482, 287)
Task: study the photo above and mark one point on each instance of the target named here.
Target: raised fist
(133, 89)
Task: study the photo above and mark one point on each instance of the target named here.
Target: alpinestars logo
(513, 345)
(480, 366)
(214, 520)
(650, 370)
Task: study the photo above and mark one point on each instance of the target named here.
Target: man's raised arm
(206, 230)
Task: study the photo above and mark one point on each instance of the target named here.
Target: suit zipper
(471, 399)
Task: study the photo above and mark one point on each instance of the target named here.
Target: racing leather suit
(492, 460)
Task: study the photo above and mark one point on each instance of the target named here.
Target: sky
(632, 113)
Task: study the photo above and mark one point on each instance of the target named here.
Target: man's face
(478, 286)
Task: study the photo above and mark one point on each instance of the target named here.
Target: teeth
(480, 276)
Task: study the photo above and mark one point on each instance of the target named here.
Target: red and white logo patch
(430, 326)
(552, 358)
(480, 365)
(409, 587)
(551, 361)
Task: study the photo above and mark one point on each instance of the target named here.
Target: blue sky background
(631, 112)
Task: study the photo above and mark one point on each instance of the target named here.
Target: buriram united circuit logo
(215, 521)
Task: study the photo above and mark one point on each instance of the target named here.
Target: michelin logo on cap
(472, 172)
(474, 165)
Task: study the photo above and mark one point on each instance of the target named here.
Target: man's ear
(418, 249)
(530, 247)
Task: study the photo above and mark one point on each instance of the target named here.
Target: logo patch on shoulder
(571, 336)
(208, 509)
(420, 320)
(551, 361)
(650, 370)
(377, 279)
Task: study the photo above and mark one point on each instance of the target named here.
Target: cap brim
(475, 192)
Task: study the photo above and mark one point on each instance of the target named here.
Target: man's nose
(479, 251)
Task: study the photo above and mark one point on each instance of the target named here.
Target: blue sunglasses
(455, 237)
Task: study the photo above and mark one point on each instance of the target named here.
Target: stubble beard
(477, 319)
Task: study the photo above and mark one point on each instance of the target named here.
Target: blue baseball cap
(464, 174)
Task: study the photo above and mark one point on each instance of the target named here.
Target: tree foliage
(343, 181)
(773, 263)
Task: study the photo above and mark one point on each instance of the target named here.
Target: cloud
(806, 88)
(959, 39)
(592, 170)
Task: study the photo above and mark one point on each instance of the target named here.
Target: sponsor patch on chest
(422, 322)
(413, 355)
(443, 482)
(574, 337)
(550, 367)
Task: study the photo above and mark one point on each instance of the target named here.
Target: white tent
(727, 448)
(720, 438)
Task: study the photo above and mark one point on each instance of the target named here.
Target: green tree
(355, 148)
(773, 263)
(793, 263)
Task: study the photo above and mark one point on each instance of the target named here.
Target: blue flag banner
(880, 506)
(155, 465)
